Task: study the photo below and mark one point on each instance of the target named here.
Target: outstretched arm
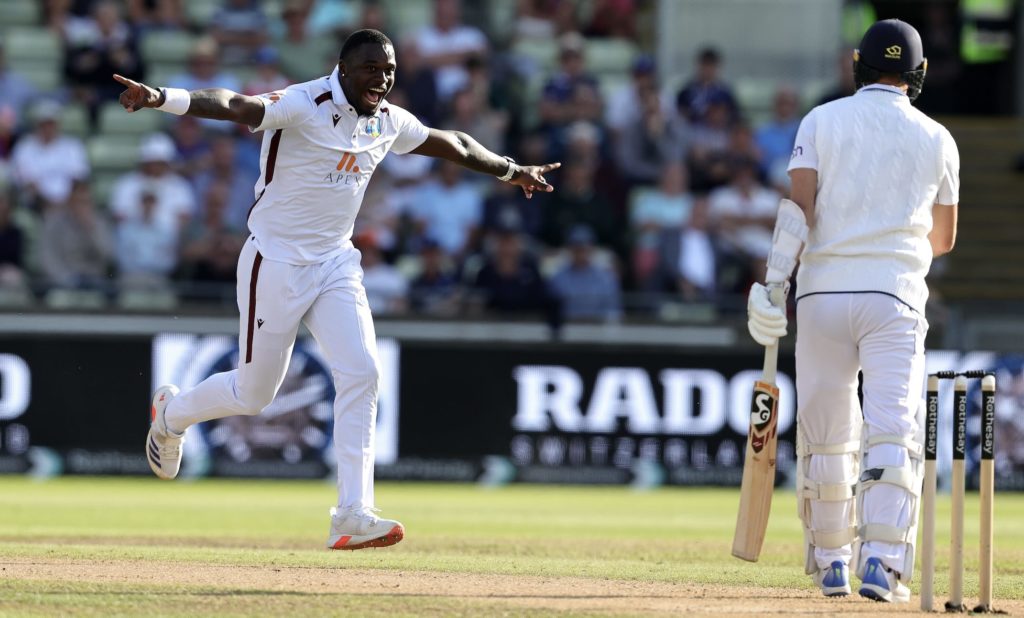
(460, 148)
(215, 103)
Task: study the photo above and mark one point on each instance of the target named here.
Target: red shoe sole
(394, 536)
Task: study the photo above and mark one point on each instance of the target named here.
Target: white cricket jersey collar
(338, 95)
(879, 87)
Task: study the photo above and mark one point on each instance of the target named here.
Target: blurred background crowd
(663, 207)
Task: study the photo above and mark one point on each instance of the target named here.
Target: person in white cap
(322, 141)
(46, 163)
(175, 202)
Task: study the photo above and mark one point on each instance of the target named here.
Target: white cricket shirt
(317, 157)
(881, 166)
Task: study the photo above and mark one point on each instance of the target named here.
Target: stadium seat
(15, 13)
(45, 76)
(540, 56)
(115, 121)
(102, 187)
(32, 45)
(405, 17)
(614, 56)
(15, 297)
(160, 73)
(200, 12)
(74, 120)
(62, 298)
(147, 299)
(113, 152)
(167, 46)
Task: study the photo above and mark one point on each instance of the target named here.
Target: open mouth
(373, 96)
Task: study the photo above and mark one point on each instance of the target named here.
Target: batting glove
(766, 322)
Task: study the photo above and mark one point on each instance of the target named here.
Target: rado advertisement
(492, 412)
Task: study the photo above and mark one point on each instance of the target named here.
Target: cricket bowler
(322, 140)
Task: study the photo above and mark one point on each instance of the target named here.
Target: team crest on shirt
(373, 126)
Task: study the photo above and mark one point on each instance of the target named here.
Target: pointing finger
(549, 167)
(124, 80)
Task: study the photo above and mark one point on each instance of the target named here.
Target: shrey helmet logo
(894, 52)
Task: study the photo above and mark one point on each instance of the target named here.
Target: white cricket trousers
(837, 335)
(273, 297)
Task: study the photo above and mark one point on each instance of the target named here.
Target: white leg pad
(905, 478)
(819, 500)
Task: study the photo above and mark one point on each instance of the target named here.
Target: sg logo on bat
(764, 414)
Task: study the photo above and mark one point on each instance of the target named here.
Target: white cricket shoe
(881, 583)
(163, 447)
(360, 528)
(834, 581)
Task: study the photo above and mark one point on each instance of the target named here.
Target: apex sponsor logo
(348, 163)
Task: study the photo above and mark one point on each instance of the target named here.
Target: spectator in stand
(336, 18)
(104, 47)
(583, 143)
(708, 157)
(268, 77)
(204, 72)
(506, 203)
(240, 28)
(586, 290)
(534, 21)
(157, 14)
(46, 163)
(210, 245)
(418, 86)
(653, 139)
(612, 18)
(743, 215)
(15, 89)
(435, 289)
(193, 146)
(571, 93)
(174, 201)
(8, 138)
(76, 242)
(447, 45)
(624, 112)
(12, 245)
(224, 167)
(448, 209)
(510, 282)
(775, 138)
(147, 246)
(471, 115)
(687, 262)
(386, 288)
(846, 85)
(653, 211)
(698, 95)
(576, 202)
(303, 56)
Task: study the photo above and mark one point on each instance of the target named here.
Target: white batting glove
(766, 322)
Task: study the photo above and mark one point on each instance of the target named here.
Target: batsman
(875, 186)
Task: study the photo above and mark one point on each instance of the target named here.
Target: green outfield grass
(668, 535)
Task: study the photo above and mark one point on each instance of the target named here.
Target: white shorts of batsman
(859, 465)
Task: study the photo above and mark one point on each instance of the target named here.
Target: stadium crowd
(665, 200)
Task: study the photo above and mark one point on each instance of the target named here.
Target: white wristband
(176, 101)
(510, 172)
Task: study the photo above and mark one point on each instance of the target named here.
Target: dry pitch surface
(133, 547)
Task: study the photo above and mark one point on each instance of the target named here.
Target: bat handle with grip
(777, 295)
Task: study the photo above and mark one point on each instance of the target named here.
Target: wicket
(958, 478)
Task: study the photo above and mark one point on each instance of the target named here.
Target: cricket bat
(759, 463)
